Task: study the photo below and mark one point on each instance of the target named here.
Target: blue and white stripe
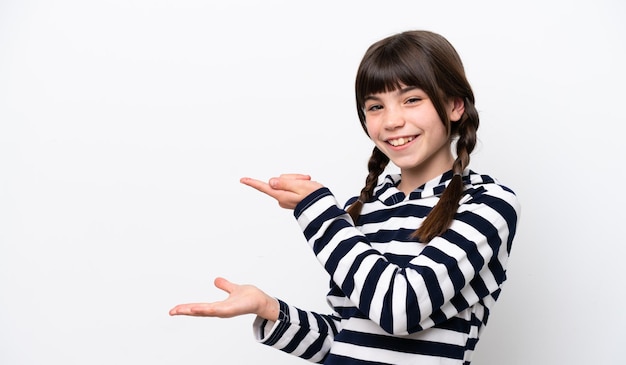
(395, 300)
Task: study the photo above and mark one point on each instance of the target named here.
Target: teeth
(400, 141)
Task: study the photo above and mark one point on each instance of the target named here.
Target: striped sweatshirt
(395, 300)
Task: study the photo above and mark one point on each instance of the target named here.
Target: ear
(457, 108)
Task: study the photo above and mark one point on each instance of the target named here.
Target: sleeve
(453, 272)
(307, 335)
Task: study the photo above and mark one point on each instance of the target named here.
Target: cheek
(372, 133)
(371, 128)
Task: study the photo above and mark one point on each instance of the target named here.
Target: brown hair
(426, 60)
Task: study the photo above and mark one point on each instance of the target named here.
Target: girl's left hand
(287, 189)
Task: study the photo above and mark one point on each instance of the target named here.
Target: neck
(412, 178)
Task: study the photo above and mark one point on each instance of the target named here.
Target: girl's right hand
(242, 299)
(287, 189)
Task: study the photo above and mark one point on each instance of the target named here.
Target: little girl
(416, 260)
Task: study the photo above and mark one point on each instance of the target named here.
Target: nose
(393, 119)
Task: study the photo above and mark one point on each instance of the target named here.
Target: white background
(126, 125)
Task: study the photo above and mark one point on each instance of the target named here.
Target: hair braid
(466, 131)
(376, 165)
(440, 218)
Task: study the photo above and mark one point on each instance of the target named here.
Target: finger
(297, 186)
(266, 188)
(257, 184)
(296, 176)
(191, 309)
(224, 284)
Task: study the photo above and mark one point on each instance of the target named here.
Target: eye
(373, 107)
(413, 100)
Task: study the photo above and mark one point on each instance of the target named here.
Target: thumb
(224, 284)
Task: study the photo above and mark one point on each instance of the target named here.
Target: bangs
(391, 68)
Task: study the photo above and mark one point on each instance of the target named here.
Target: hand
(287, 189)
(242, 299)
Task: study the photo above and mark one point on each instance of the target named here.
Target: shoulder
(485, 190)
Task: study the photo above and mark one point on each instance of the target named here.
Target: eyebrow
(404, 90)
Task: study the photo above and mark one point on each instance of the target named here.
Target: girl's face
(405, 126)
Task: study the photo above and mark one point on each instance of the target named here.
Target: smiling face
(412, 98)
(405, 126)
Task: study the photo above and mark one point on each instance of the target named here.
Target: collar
(388, 193)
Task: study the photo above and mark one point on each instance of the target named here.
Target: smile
(400, 141)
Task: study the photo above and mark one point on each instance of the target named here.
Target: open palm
(242, 299)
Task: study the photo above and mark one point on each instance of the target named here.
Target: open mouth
(397, 142)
